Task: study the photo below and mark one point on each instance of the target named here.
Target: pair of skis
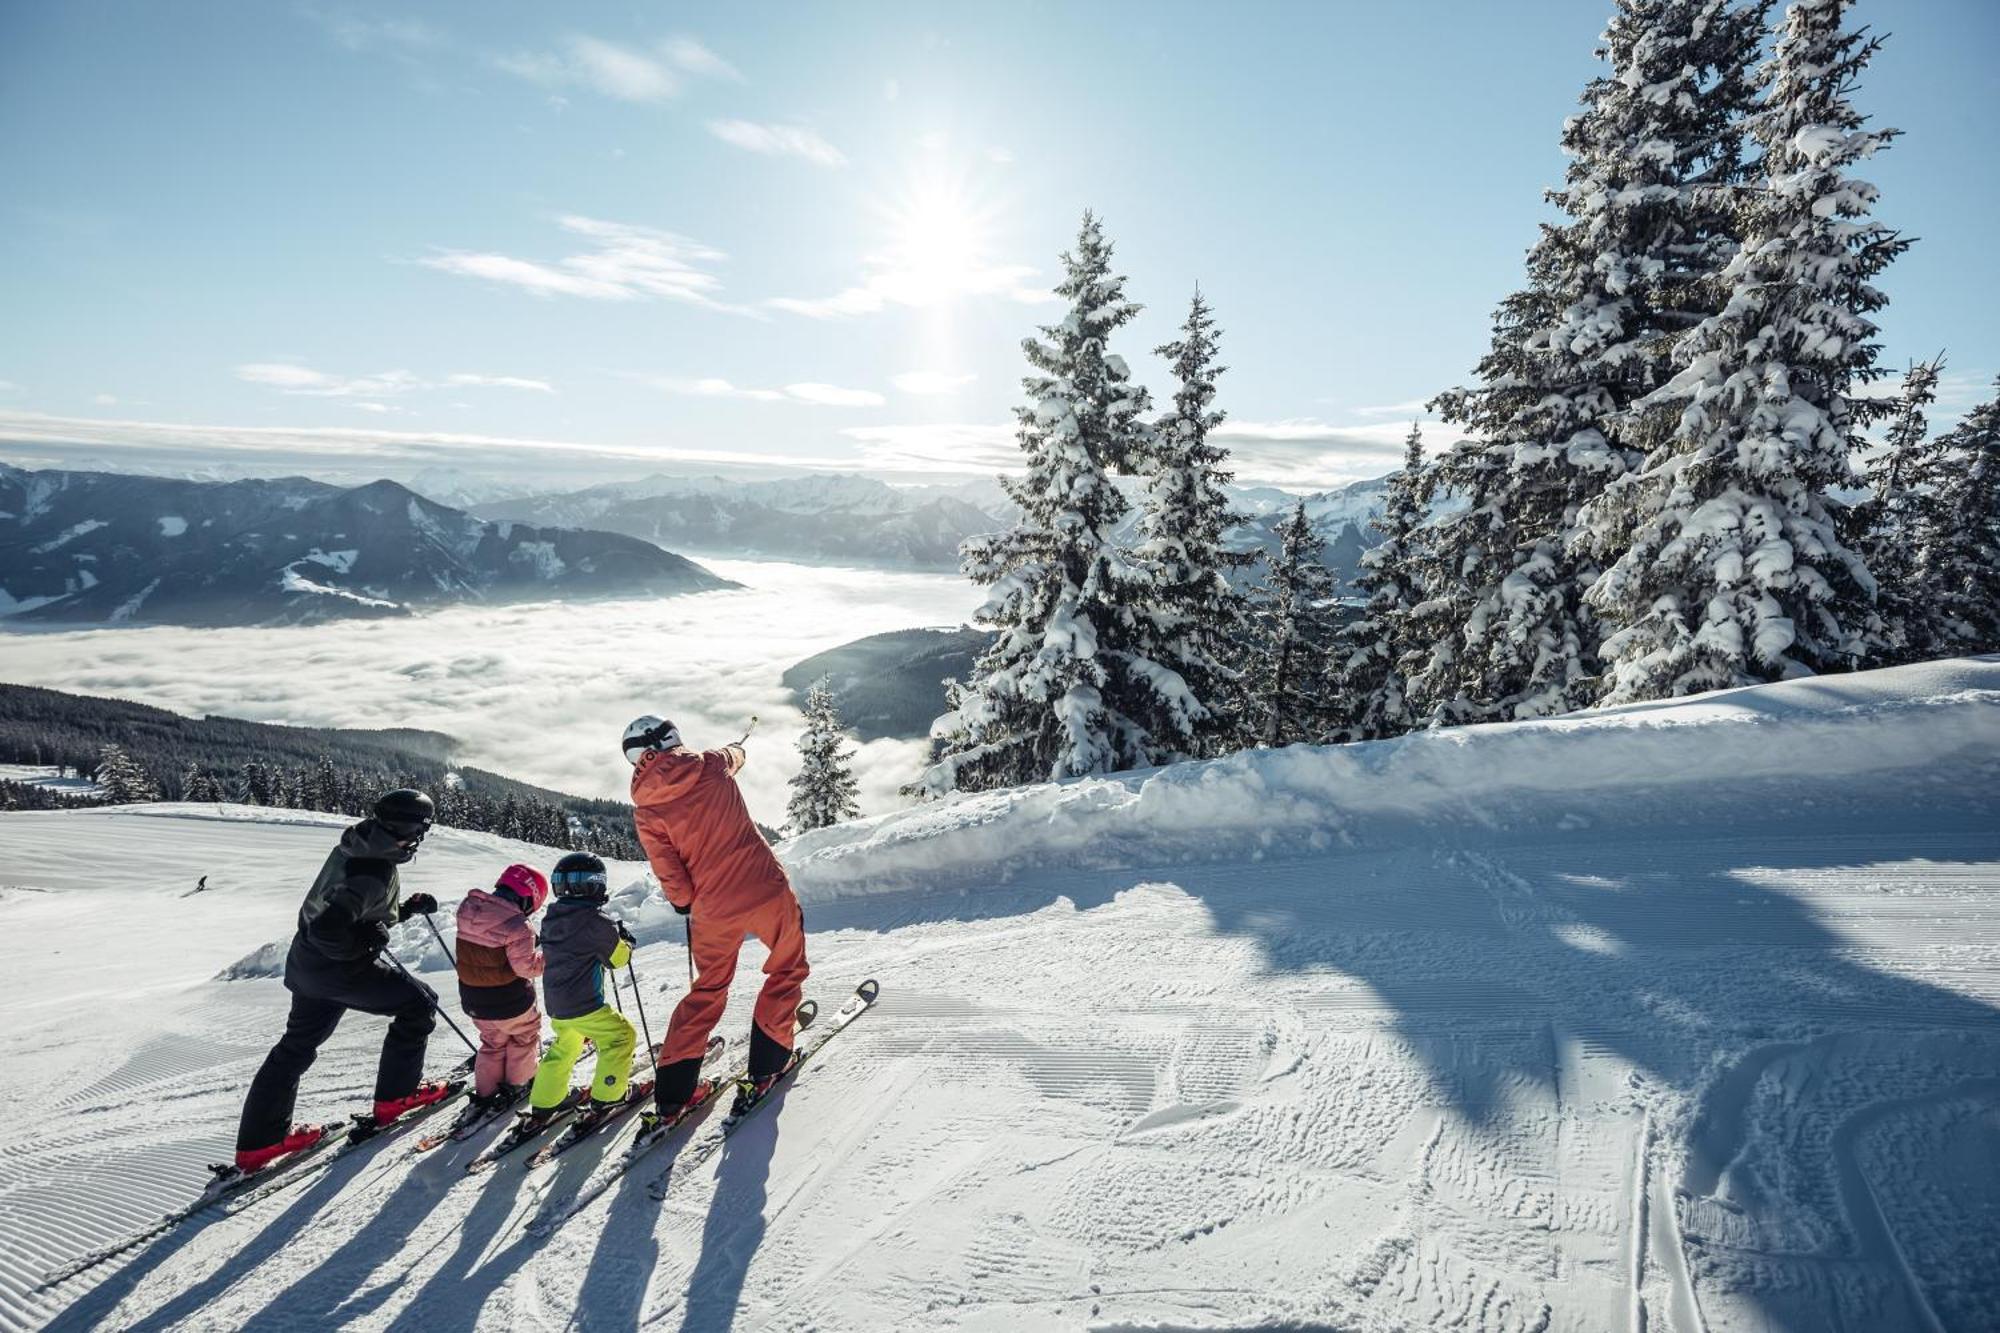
(525, 1131)
(244, 1188)
(748, 1099)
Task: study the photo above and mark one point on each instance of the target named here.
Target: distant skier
(578, 943)
(201, 884)
(717, 870)
(498, 960)
(335, 965)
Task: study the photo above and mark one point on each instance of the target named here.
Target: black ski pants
(322, 991)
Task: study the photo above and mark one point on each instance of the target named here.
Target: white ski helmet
(649, 733)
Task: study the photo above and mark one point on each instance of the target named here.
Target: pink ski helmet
(528, 882)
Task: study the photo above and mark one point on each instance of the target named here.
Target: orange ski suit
(710, 858)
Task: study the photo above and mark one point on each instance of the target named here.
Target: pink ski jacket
(497, 954)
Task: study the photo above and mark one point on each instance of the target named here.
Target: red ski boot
(300, 1139)
(426, 1093)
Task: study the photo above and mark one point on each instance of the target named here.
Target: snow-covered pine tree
(1733, 569)
(1189, 618)
(1365, 682)
(1632, 265)
(1886, 527)
(824, 789)
(1295, 615)
(123, 781)
(1062, 692)
(1955, 526)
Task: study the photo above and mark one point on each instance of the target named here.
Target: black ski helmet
(405, 811)
(581, 875)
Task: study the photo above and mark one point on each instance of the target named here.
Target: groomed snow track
(1684, 1017)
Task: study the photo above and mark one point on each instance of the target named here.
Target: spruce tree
(1887, 525)
(1296, 616)
(824, 789)
(123, 781)
(1365, 674)
(1954, 528)
(1631, 266)
(1190, 616)
(1062, 691)
(1733, 569)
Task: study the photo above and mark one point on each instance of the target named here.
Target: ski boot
(387, 1112)
(248, 1160)
(499, 1099)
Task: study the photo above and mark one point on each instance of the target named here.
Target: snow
(1677, 1016)
(294, 582)
(172, 525)
(67, 535)
(43, 775)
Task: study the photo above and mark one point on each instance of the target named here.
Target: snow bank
(1304, 798)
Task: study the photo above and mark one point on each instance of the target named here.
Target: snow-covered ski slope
(1683, 1017)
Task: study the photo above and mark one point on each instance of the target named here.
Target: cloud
(360, 34)
(1304, 453)
(831, 395)
(628, 263)
(377, 407)
(826, 395)
(470, 381)
(778, 141)
(106, 400)
(346, 451)
(930, 382)
(538, 693)
(1414, 407)
(692, 57)
(290, 377)
(891, 283)
(622, 73)
(8, 386)
(999, 155)
(969, 448)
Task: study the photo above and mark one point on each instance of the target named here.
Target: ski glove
(623, 933)
(682, 910)
(417, 904)
(373, 935)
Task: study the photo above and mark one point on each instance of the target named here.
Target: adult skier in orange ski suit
(717, 870)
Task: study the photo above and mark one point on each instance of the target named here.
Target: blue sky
(581, 242)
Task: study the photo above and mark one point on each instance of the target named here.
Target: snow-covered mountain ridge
(1679, 1017)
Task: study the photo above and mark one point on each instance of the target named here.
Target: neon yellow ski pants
(613, 1037)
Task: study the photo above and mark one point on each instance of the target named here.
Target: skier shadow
(100, 1304)
(451, 1299)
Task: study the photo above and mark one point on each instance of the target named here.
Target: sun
(939, 243)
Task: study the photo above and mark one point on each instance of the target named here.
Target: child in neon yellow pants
(578, 944)
(614, 1039)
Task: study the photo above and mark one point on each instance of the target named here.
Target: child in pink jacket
(498, 957)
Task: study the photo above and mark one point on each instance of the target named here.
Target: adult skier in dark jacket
(335, 965)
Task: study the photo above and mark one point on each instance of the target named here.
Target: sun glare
(938, 245)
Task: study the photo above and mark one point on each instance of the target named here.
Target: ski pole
(639, 1004)
(436, 1006)
(747, 730)
(438, 935)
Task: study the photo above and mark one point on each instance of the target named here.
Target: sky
(563, 244)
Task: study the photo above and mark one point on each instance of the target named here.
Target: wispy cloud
(825, 395)
(1304, 453)
(890, 282)
(470, 381)
(624, 73)
(960, 447)
(930, 383)
(692, 57)
(8, 386)
(47, 440)
(778, 141)
(355, 33)
(627, 263)
(1412, 408)
(290, 377)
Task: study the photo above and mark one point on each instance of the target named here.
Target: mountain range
(108, 548)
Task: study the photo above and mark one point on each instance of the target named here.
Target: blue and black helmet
(581, 875)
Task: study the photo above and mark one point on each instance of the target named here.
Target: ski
(583, 1127)
(228, 1184)
(360, 1131)
(747, 1102)
(648, 1136)
(523, 1132)
(471, 1120)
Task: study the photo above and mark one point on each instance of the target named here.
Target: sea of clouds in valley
(538, 692)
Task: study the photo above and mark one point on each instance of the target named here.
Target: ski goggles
(593, 881)
(411, 832)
